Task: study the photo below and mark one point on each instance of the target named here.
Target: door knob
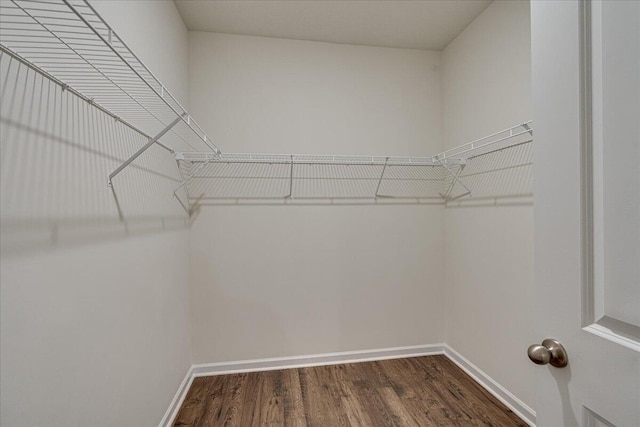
(550, 352)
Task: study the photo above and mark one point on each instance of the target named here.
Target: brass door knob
(550, 352)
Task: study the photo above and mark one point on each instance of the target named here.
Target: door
(586, 114)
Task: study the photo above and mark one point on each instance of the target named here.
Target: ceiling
(431, 24)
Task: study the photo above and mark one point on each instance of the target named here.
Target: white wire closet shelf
(68, 43)
(497, 165)
(270, 176)
(71, 43)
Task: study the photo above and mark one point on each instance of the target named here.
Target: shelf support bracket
(528, 128)
(290, 196)
(453, 182)
(456, 179)
(184, 182)
(144, 148)
(384, 168)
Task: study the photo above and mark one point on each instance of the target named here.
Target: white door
(586, 114)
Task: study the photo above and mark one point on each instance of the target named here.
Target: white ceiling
(406, 24)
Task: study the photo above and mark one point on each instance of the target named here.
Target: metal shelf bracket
(185, 182)
(455, 178)
(290, 196)
(384, 168)
(144, 148)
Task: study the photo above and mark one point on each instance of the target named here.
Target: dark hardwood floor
(418, 391)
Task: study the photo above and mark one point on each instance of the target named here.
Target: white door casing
(586, 110)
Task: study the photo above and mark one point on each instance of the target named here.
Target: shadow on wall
(57, 151)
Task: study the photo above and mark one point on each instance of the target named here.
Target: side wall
(95, 312)
(489, 250)
(271, 281)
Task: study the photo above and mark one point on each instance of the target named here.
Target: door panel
(591, 419)
(612, 32)
(577, 293)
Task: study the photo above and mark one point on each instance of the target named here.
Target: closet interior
(271, 254)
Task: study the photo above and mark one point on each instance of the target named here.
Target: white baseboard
(492, 386)
(224, 368)
(315, 360)
(172, 412)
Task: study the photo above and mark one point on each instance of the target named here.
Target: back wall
(353, 277)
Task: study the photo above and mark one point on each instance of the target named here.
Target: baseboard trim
(223, 368)
(274, 363)
(527, 414)
(172, 412)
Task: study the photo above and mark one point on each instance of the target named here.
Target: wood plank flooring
(418, 391)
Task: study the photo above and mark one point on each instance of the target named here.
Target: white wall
(489, 250)
(95, 312)
(279, 281)
(95, 317)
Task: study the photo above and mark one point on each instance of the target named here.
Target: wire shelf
(263, 176)
(69, 42)
(499, 165)
(503, 173)
(519, 134)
